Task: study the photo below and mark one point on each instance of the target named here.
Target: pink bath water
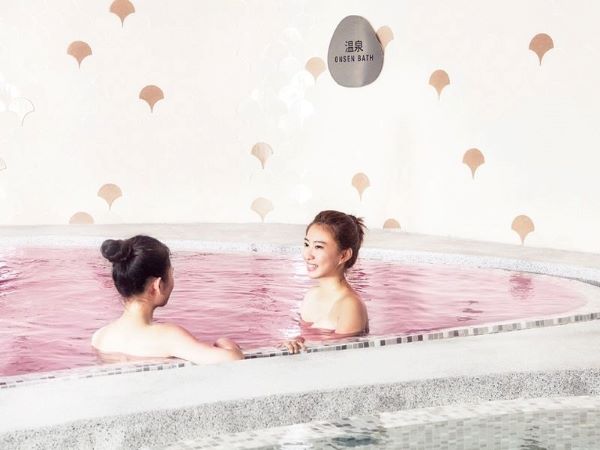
(52, 300)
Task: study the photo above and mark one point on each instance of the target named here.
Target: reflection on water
(521, 286)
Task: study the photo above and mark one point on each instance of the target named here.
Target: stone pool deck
(158, 408)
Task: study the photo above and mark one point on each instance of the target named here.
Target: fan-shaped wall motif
(361, 182)
(263, 152)
(439, 80)
(523, 225)
(262, 207)
(391, 224)
(122, 8)
(540, 44)
(81, 218)
(79, 50)
(151, 94)
(385, 35)
(473, 158)
(315, 66)
(109, 193)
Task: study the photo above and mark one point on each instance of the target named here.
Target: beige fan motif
(439, 80)
(2, 164)
(81, 218)
(262, 207)
(391, 224)
(385, 35)
(360, 181)
(315, 66)
(79, 50)
(109, 193)
(473, 158)
(540, 44)
(151, 94)
(523, 225)
(263, 152)
(122, 8)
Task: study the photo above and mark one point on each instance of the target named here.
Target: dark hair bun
(134, 261)
(117, 250)
(360, 227)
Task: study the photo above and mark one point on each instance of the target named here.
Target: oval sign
(355, 56)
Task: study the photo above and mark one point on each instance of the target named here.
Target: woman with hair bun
(332, 307)
(143, 275)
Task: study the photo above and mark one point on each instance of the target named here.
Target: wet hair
(348, 231)
(134, 261)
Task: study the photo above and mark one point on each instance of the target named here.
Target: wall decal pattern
(122, 8)
(385, 35)
(391, 224)
(523, 225)
(315, 66)
(79, 50)
(81, 218)
(262, 151)
(360, 182)
(439, 79)
(473, 158)
(109, 193)
(540, 44)
(151, 94)
(262, 207)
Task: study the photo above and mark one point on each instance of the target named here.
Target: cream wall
(232, 74)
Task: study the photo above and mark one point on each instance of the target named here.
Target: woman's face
(321, 253)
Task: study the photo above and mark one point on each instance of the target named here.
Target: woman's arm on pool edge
(182, 344)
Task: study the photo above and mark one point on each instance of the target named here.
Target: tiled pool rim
(589, 312)
(359, 343)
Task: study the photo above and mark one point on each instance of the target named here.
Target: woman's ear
(346, 255)
(155, 285)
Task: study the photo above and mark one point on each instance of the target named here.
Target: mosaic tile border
(347, 344)
(507, 412)
(89, 372)
(381, 341)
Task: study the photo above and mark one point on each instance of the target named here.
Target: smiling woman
(332, 307)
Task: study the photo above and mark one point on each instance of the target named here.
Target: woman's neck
(138, 309)
(333, 283)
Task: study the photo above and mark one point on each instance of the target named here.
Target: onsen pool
(52, 300)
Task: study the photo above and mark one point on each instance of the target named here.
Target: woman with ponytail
(143, 275)
(332, 307)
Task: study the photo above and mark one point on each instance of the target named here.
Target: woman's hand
(295, 345)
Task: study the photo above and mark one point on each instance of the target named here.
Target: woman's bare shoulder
(171, 331)
(350, 301)
(351, 314)
(97, 337)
